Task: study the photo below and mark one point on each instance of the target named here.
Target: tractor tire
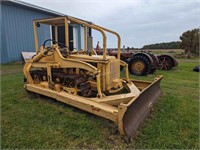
(155, 62)
(196, 68)
(139, 65)
(165, 62)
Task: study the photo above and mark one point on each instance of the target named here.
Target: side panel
(17, 35)
(112, 72)
(109, 72)
(103, 110)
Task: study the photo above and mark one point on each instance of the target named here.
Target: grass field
(40, 122)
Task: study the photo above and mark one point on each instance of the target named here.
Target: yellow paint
(104, 70)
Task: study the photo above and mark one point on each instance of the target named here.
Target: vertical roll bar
(101, 29)
(118, 36)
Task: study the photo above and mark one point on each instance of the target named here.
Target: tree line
(167, 45)
(189, 41)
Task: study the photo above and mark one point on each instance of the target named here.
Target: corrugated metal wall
(17, 32)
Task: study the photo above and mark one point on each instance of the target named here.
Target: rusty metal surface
(140, 108)
(123, 55)
(68, 80)
(155, 61)
(166, 62)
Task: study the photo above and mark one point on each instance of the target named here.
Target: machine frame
(126, 110)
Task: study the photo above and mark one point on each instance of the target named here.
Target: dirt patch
(11, 69)
(3, 72)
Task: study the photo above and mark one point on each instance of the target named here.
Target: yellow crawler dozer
(88, 81)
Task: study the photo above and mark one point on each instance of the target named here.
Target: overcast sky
(139, 22)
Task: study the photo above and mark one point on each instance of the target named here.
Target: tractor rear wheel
(139, 65)
(165, 62)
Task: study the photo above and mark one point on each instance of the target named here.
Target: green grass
(40, 122)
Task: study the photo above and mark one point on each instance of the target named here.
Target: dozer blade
(138, 108)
